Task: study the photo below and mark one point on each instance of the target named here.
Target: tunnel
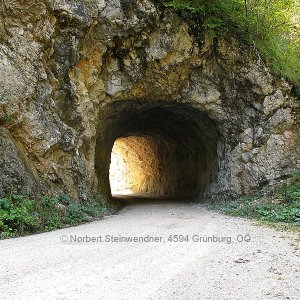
(159, 149)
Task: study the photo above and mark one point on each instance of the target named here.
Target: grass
(281, 209)
(21, 214)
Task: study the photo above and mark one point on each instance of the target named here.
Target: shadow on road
(137, 200)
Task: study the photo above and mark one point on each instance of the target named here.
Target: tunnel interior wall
(152, 165)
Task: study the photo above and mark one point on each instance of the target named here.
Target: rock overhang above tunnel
(81, 66)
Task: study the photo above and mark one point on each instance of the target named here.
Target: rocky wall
(72, 69)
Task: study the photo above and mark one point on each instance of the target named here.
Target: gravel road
(136, 255)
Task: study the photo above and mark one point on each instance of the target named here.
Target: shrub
(283, 206)
(20, 214)
(17, 216)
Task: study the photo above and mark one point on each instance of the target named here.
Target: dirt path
(44, 267)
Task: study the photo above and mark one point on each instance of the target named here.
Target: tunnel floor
(132, 200)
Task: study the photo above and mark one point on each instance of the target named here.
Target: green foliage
(16, 216)
(21, 215)
(192, 6)
(78, 213)
(290, 193)
(283, 206)
(272, 26)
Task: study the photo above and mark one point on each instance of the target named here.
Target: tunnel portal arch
(186, 145)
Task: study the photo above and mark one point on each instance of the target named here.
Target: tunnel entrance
(165, 150)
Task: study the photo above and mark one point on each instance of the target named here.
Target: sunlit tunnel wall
(136, 166)
(119, 176)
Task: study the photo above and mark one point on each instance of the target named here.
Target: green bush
(75, 214)
(20, 214)
(16, 216)
(290, 192)
(283, 206)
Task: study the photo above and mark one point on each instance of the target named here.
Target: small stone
(273, 102)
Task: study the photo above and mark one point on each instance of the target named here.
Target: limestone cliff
(79, 74)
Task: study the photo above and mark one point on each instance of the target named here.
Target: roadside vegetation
(281, 207)
(272, 27)
(22, 215)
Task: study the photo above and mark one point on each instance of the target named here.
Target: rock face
(15, 176)
(80, 74)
